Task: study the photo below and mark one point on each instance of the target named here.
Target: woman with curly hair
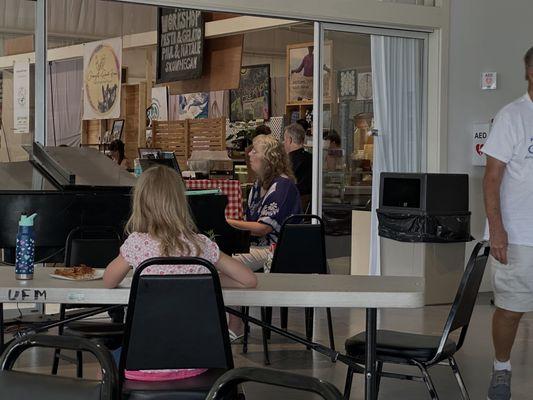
(273, 198)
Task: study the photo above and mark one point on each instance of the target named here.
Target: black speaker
(432, 194)
(424, 207)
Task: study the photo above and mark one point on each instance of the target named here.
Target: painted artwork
(102, 79)
(300, 64)
(251, 100)
(191, 106)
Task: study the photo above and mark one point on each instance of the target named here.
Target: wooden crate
(183, 137)
(207, 134)
(172, 136)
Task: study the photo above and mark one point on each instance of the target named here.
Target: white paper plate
(98, 274)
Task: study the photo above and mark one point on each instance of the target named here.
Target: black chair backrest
(465, 299)
(175, 321)
(227, 383)
(301, 247)
(94, 246)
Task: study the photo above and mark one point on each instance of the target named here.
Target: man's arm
(491, 188)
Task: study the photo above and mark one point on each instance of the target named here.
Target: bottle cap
(27, 220)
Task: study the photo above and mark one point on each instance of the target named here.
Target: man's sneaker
(500, 385)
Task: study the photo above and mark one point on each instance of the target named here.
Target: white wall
(485, 35)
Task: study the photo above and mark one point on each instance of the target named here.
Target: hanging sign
(102, 68)
(479, 137)
(180, 44)
(21, 96)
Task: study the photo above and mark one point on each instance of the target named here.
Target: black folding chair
(301, 249)
(175, 322)
(25, 385)
(94, 246)
(424, 351)
(229, 381)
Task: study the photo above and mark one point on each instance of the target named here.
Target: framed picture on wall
(251, 100)
(116, 130)
(300, 72)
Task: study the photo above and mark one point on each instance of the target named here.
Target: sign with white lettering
(21, 97)
(479, 137)
(180, 44)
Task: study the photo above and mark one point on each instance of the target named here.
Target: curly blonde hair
(160, 209)
(275, 160)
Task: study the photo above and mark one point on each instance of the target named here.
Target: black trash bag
(337, 222)
(421, 227)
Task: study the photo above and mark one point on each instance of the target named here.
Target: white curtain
(64, 102)
(397, 79)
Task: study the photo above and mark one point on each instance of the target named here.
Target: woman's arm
(115, 272)
(234, 273)
(255, 228)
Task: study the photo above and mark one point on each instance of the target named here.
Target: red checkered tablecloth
(230, 188)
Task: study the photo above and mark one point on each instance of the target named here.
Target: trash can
(423, 223)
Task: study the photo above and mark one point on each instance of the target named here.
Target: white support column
(41, 77)
(318, 78)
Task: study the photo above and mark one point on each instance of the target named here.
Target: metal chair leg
(309, 320)
(284, 317)
(268, 320)
(427, 380)
(348, 384)
(79, 364)
(330, 329)
(379, 369)
(57, 352)
(460, 381)
(246, 312)
(265, 337)
(55, 363)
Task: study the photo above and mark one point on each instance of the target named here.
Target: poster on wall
(479, 137)
(180, 44)
(300, 72)
(190, 106)
(158, 108)
(101, 79)
(251, 100)
(21, 97)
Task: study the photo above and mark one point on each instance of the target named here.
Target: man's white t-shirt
(511, 141)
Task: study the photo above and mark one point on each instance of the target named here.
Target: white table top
(273, 290)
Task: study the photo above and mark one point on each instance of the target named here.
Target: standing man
(301, 160)
(508, 189)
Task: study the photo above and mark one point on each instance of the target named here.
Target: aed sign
(479, 137)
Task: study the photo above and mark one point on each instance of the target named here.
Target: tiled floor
(474, 359)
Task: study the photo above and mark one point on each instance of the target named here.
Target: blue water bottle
(25, 248)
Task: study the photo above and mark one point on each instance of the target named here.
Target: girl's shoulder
(140, 238)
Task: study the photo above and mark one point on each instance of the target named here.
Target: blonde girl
(161, 225)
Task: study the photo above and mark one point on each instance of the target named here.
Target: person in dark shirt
(301, 160)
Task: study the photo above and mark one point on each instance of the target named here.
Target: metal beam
(41, 77)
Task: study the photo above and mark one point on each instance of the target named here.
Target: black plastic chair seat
(94, 329)
(392, 345)
(195, 388)
(45, 387)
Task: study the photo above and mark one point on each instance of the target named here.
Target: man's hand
(498, 245)
(491, 187)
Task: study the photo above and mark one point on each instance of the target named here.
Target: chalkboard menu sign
(180, 44)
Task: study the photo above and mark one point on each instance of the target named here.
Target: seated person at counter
(301, 160)
(161, 225)
(334, 155)
(116, 150)
(273, 198)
